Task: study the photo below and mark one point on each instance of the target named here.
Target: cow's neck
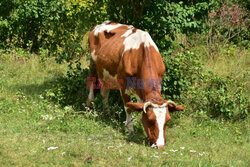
(150, 73)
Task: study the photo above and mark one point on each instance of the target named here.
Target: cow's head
(155, 116)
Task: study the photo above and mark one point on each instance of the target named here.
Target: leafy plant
(186, 80)
(160, 18)
(48, 24)
(70, 90)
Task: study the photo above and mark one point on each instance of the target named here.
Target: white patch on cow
(107, 75)
(130, 92)
(127, 33)
(136, 39)
(105, 26)
(93, 56)
(160, 113)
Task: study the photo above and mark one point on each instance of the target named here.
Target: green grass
(31, 124)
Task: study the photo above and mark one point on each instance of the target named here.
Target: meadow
(35, 131)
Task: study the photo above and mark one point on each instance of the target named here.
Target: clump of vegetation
(201, 90)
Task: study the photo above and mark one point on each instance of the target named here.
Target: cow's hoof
(130, 130)
(89, 103)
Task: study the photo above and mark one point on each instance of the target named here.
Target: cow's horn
(171, 102)
(146, 105)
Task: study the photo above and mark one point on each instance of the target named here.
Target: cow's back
(120, 50)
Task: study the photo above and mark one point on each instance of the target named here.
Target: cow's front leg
(129, 123)
(105, 97)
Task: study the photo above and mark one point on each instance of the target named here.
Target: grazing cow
(130, 56)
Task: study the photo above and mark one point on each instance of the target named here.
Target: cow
(130, 55)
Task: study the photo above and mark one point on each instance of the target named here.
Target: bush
(187, 81)
(182, 71)
(227, 23)
(47, 24)
(70, 90)
(160, 18)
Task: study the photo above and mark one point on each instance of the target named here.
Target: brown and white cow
(123, 52)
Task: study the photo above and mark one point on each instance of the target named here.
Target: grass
(31, 125)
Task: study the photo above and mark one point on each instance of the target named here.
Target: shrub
(71, 89)
(227, 23)
(182, 71)
(48, 24)
(187, 81)
(160, 18)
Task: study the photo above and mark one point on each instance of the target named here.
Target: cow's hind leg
(105, 98)
(92, 73)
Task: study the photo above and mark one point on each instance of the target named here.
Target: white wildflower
(156, 156)
(173, 150)
(52, 148)
(201, 154)
(47, 117)
(164, 153)
(192, 151)
(181, 154)
(63, 153)
(182, 148)
(110, 147)
(129, 158)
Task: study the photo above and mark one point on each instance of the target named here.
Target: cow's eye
(151, 120)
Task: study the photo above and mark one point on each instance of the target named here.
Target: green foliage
(182, 71)
(58, 27)
(186, 80)
(160, 18)
(219, 97)
(48, 24)
(70, 90)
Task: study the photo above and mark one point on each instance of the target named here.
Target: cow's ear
(135, 106)
(173, 107)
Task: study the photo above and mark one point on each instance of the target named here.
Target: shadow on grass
(34, 90)
(64, 91)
